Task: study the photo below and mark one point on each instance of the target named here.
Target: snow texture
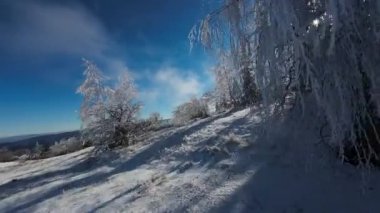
(225, 163)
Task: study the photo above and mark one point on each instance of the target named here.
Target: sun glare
(316, 22)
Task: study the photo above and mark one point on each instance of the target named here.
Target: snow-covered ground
(233, 162)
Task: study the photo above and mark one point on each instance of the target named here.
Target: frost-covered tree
(94, 94)
(227, 30)
(108, 114)
(123, 110)
(93, 111)
(323, 51)
(224, 82)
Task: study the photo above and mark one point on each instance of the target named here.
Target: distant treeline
(44, 140)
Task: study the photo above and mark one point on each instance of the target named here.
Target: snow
(225, 163)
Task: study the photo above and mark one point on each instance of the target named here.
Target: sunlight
(316, 22)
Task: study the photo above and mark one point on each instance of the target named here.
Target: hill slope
(227, 163)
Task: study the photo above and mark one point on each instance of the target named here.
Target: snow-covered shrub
(195, 108)
(154, 120)
(21, 152)
(65, 146)
(328, 50)
(24, 158)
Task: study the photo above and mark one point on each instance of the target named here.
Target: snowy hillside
(226, 163)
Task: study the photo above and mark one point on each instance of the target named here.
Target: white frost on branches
(93, 92)
(108, 114)
(195, 108)
(328, 50)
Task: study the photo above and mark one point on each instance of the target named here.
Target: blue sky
(42, 43)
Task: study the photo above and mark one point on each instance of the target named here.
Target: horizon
(38, 134)
(42, 43)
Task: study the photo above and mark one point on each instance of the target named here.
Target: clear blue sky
(42, 43)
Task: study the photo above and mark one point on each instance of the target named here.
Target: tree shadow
(212, 150)
(148, 154)
(281, 183)
(32, 181)
(116, 198)
(275, 188)
(244, 162)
